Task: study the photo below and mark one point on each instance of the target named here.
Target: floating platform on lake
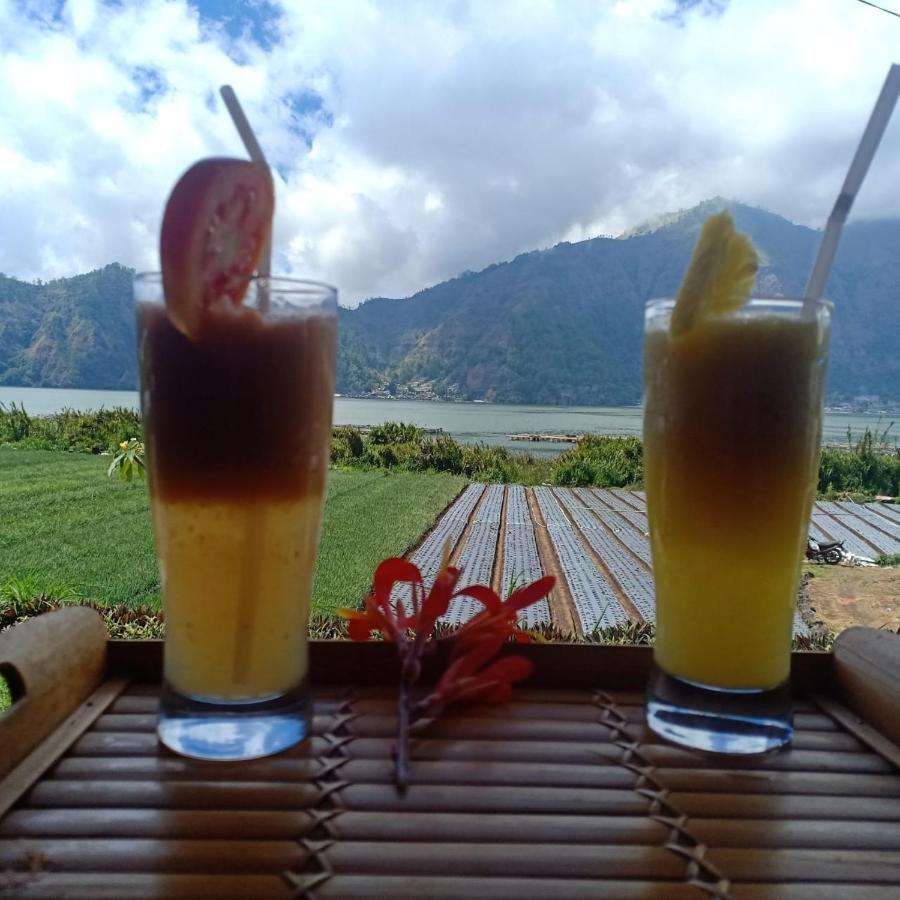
(548, 438)
(365, 429)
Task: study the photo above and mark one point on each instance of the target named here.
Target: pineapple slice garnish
(720, 276)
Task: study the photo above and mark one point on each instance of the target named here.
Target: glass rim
(755, 301)
(293, 286)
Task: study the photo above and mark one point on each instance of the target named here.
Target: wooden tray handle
(867, 668)
(51, 663)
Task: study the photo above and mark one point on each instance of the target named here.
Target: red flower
(391, 617)
(410, 624)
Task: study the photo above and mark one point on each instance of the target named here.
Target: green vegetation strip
(70, 533)
(868, 466)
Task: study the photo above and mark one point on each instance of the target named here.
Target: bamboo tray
(562, 792)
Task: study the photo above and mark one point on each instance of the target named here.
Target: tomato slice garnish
(216, 224)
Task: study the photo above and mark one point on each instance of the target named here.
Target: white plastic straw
(254, 531)
(257, 155)
(868, 144)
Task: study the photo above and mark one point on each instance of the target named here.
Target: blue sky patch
(151, 82)
(308, 114)
(254, 19)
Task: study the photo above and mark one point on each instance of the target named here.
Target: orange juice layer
(237, 579)
(731, 437)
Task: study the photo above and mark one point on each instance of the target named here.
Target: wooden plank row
(586, 752)
(466, 772)
(148, 886)
(146, 722)
(118, 854)
(808, 891)
(149, 704)
(171, 767)
(568, 752)
(780, 866)
(375, 717)
(490, 860)
(361, 887)
(424, 798)
(593, 830)
(374, 858)
(837, 834)
(354, 825)
(500, 729)
(525, 731)
(158, 823)
(131, 702)
(101, 793)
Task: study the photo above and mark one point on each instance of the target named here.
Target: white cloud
(449, 134)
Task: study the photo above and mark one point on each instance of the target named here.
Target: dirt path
(842, 596)
(562, 610)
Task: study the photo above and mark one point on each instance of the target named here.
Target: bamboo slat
(55, 661)
(53, 793)
(479, 828)
(585, 753)
(837, 834)
(486, 860)
(800, 864)
(158, 823)
(146, 855)
(147, 886)
(807, 891)
(867, 668)
(397, 887)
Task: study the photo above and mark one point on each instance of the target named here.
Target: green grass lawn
(69, 532)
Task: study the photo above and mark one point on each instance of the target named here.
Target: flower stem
(401, 752)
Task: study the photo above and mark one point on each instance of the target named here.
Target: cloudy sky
(415, 140)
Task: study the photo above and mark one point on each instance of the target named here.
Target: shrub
(87, 432)
(395, 433)
(867, 466)
(601, 461)
(15, 424)
(346, 445)
(442, 454)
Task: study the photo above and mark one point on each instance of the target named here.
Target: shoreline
(469, 422)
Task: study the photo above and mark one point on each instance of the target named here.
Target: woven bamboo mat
(560, 793)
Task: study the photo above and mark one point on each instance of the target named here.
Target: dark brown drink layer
(241, 413)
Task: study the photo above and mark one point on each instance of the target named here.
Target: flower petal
(484, 595)
(346, 613)
(361, 629)
(388, 573)
(438, 600)
(469, 661)
(509, 669)
(530, 593)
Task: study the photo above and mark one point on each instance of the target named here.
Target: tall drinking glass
(732, 423)
(237, 425)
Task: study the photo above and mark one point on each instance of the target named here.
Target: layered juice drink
(731, 438)
(238, 425)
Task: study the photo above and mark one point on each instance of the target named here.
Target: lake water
(489, 423)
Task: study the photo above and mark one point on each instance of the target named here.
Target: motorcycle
(831, 552)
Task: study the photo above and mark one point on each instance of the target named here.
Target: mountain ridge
(562, 325)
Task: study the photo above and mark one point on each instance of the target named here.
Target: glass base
(205, 729)
(717, 720)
